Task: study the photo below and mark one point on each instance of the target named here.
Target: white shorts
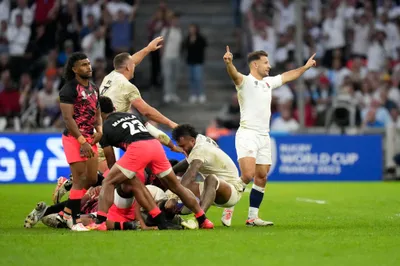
(233, 200)
(252, 144)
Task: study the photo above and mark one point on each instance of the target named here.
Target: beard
(85, 76)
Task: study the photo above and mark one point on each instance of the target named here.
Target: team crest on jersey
(268, 85)
(256, 82)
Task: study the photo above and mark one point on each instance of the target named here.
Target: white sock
(253, 212)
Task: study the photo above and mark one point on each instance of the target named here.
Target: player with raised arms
(252, 138)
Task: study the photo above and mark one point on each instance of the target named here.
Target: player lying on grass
(123, 215)
(222, 185)
(127, 131)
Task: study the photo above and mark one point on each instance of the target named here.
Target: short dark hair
(256, 55)
(106, 105)
(120, 60)
(75, 57)
(184, 130)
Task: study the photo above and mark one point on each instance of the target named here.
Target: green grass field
(359, 224)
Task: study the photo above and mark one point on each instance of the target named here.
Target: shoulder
(68, 91)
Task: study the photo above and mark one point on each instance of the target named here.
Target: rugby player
(124, 94)
(81, 114)
(252, 138)
(127, 131)
(222, 185)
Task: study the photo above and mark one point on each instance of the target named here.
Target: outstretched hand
(228, 56)
(156, 44)
(311, 62)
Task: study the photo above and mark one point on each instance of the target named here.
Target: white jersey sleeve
(274, 82)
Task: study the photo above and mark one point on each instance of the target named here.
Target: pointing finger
(227, 49)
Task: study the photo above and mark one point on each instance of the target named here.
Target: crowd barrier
(39, 157)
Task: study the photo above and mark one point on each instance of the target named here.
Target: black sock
(201, 219)
(125, 226)
(100, 219)
(75, 207)
(117, 226)
(100, 179)
(160, 219)
(55, 208)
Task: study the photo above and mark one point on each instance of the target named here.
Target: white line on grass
(311, 200)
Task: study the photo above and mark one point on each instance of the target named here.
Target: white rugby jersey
(120, 90)
(255, 102)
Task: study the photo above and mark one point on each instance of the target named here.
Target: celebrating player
(252, 138)
(126, 131)
(81, 114)
(124, 94)
(222, 185)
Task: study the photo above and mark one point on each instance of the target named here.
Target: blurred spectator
(3, 37)
(89, 27)
(262, 41)
(285, 15)
(18, 37)
(392, 41)
(91, 12)
(229, 116)
(47, 100)
(375, 115)
(170, 59)
(310, 115)
(27, 95)
(9, 102)
(376, 52)
(46, 11)
(364, 96)
(94, 44)
(362, 30)
(24, 10)
(5, 10)
(69, 23)
(322, 95)
(333, 28)
(195, 45)
(65, 53)
(157, 23)
(285, 122)
(121, 32)
(115, 7)
(386, 102)
(337, 74)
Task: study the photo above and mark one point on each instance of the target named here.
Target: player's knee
(248, 175)
(211, 181)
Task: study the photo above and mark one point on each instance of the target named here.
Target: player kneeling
(222, 185)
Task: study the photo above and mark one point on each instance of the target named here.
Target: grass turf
(359, 224)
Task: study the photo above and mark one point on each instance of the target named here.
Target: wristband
(81, 140)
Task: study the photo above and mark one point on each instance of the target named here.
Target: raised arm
(235, 75)
(152, 46)
(296, 73)
(151, 113)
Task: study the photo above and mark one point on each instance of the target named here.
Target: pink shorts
(145, 153)
(116, 214)
(72, 149)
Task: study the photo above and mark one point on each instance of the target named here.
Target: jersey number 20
(135, 126)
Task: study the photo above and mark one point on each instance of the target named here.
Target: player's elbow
(142, 107)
